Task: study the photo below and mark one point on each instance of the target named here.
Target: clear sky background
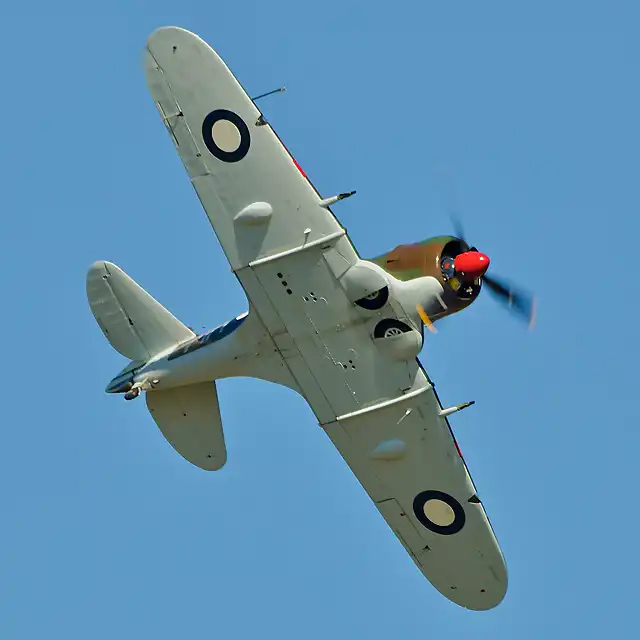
(521, 115)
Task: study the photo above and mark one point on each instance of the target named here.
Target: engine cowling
(435, 257)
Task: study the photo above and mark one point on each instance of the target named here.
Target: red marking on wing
(458, 448)
(302, 173)
(299, 167)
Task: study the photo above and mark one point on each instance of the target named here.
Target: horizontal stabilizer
(189, 418)
(136, 325)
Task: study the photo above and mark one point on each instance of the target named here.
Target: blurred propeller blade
(458, 229)
(521, 303)
(518, 301)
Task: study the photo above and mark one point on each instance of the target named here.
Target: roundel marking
(439, 512)
(226, 135)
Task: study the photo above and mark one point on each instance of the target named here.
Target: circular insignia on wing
(439, 512)
(226, 135)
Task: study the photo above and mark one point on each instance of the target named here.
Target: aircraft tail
(139, 327)
(134, 323)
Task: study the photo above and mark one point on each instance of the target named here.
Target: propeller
(458, 229)
(518, 301)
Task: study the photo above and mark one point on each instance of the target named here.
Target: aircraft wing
(291, 256)
(406, 457)
(244, 176)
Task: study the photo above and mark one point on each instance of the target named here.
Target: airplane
(342, 331)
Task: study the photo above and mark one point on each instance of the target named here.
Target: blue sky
(524, 117)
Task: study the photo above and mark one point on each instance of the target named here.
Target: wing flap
(189, 418)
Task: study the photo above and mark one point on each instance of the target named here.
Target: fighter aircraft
(342, 331)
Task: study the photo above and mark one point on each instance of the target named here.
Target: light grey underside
(324, 338)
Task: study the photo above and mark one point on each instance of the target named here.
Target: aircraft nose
(472, 263)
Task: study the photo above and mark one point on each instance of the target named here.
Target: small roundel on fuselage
(439, 512)
(226, 135)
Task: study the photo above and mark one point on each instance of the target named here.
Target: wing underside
(383, 416)
(246, 179)
(406, 459)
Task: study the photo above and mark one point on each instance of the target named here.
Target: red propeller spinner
(472, 264)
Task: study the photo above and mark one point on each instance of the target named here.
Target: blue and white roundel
(226, 135)
(439, 512)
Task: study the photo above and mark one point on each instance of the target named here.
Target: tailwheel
(132, 394)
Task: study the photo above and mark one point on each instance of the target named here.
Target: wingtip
(177, 34)
(161, 32)
(99, 267)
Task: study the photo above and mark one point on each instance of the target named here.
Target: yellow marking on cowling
(425, 318)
